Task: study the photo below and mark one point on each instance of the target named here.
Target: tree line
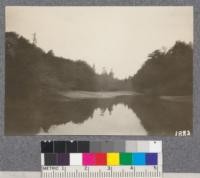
(167, 72)
(32, 72)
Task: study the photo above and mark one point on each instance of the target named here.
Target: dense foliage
(31, 72)
(166, 72)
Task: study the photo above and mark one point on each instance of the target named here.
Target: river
(103, 114)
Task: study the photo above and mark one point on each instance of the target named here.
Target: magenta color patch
(88, 159)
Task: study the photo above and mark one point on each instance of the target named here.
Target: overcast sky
(112, 37)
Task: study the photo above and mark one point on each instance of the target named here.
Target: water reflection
(124, 115)
(119, 120)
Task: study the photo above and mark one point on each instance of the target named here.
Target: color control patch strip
(69, 159)
(96, 159)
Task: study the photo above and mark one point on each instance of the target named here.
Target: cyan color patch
(138, 159)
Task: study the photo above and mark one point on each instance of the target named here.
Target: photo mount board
(180, 154)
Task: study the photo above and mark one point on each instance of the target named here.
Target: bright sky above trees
(118, 38)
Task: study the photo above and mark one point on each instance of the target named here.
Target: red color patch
(101, 158)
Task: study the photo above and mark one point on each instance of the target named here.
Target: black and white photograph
(99, 70)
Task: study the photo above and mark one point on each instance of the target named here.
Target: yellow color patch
(112, 159)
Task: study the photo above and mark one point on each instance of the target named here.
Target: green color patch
(125, 159)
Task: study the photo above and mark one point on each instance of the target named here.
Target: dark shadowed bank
(44, 90)
(167, 72)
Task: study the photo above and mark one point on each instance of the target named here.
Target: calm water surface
(119, 120)
(122, 115)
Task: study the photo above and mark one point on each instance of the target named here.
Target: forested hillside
(31, 72)
(167, 72)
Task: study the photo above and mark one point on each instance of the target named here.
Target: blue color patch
(138, 159)
(151, 158)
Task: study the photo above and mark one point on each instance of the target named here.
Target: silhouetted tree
(50, 53)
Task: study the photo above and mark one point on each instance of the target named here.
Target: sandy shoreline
(89, 94)
(113, 94)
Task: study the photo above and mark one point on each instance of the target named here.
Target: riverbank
(177, 98)
(113, 94)
(99, 94)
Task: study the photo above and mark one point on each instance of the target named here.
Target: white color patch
(155, 146)
(76, 159)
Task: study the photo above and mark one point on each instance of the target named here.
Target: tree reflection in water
(157, 116)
